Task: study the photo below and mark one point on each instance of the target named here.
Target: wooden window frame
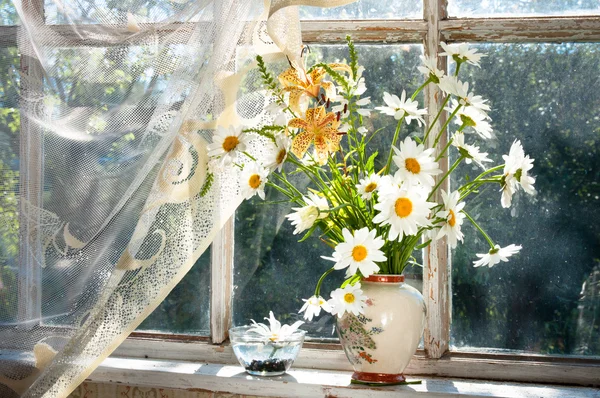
(436, 358)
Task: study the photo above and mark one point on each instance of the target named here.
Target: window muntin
(273, 271)
(545, 299)
(503, 8)
(367, 9)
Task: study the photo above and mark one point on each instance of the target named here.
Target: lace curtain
(106, 199)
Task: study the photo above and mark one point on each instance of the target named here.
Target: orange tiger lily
(319, 128)
(299, 83)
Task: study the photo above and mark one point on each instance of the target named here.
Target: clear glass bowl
(261, 356)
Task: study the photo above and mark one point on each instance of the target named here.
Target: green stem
(421, 87)
(436, 119)
(486, 236)
(386, 170)
(454, 166)
(439, 135)
(320, 282)
(441, 155)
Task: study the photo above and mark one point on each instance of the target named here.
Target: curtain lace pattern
(110, 202)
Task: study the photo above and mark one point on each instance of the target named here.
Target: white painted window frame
(436, 358)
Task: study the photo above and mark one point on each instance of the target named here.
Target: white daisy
(367, 186)
(312, 307)
(452, 86)
(476, 102)
(471, 152)
(472, 118)
(274, 332)
(453, 218)
(279, 152)
(462, 53)
(358, 252)
(415, 163)
(253, 179)
(399, 107)
(404, 210)
(495, 255)
(429, 69)
(227, 142)
(516, 169)
(304, 217)
(347, 299)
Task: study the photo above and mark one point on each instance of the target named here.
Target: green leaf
(370, 166)
(309, 233)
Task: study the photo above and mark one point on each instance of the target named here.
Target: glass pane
(367, 9)
(186, 310)
(8, 13)
(9, 182)
(546, 299)
(127, 83)
(272, 270)
(496, 8)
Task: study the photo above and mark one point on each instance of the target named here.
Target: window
(541, 76)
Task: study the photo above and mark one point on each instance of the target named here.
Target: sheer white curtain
(110, 202)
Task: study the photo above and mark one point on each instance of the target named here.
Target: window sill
(305, 382)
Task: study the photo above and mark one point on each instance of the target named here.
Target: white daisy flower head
(516, 173)
(312, 307)
(476, 102)
(227, 142)
(405, 210)
(304, 217)
(495, 255)
(430, 69)
(347, 299)
(402, 107)
(274, 332)
(470, 152)
(253, 179)
(358, 252)
(452, 86)
(279, 152)
(453, 218)
(462, 53)
(416, 165)
(368, 185)
(471, 118)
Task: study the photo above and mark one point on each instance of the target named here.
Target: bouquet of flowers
(372, 218)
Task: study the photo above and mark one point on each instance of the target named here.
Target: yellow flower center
(412, 165)
(254, 181)
(281, 156)
(371, 187)
(359, 253)
(274, 337)
(452, 219)
(403, 207)
(229, 143)
(349, 298)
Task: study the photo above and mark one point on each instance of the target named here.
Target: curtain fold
(112, 194)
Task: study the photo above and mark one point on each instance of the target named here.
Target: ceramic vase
(381, 342)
